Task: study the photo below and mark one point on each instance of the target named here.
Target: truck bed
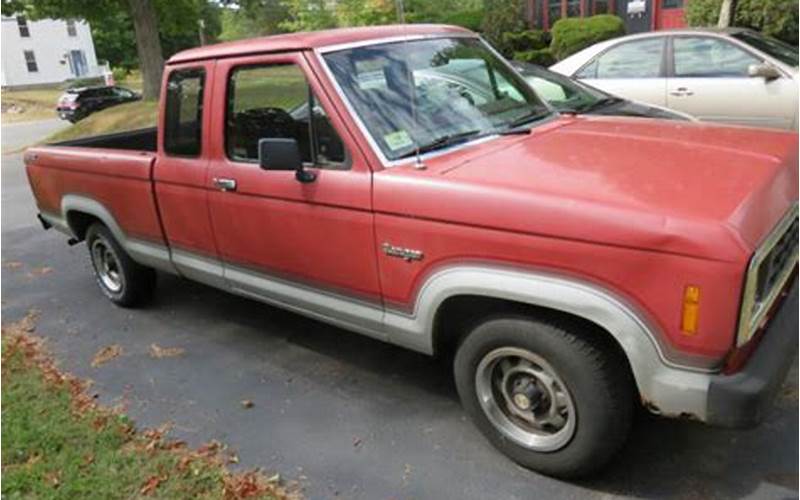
(139, 140)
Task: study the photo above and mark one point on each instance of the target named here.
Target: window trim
(346, 164)
(203, 111)
(23, 26)
(671, 60)
(662, 69)
(32, 61)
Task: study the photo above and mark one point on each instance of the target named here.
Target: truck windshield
(432, 94)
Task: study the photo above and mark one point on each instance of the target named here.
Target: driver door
(307, 246)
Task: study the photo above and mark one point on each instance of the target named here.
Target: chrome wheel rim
(525, 399)
(107, 265)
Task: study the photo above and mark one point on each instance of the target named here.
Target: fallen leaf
(150, 485)
(40, 271)
(12, 264)
(54, 478)
(106, 354)
(246, 403)
(157, 351)
(274, 479)
(356, 442)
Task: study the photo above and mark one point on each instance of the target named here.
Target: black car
(78, 103)
(570, 96)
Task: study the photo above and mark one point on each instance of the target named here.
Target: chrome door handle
(225, 184)
(681, 91)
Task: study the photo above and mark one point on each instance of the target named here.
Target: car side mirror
(763, 70)
(283, 154)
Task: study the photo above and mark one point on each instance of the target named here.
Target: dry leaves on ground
(157, 351)
(106, 354)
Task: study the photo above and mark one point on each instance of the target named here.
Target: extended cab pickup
(574, 266)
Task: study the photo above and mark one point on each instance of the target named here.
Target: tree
(777, 18)
(249, 18)
(726, 12)
(503, 16)
(151, 22)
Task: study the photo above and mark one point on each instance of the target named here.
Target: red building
(639, 15)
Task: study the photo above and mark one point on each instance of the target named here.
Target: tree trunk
(726, 13)
(148, 46)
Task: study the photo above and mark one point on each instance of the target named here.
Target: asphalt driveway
(342, 414)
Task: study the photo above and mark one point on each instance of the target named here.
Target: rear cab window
(183, 122)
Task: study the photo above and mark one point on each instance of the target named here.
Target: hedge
(778, 18)
(575, 33)
(470, 19)
(503, 16)
(542, 57)
(526, 40)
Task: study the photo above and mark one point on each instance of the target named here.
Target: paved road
(344, 415)
(17, 135)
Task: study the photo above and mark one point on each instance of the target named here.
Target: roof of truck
(312, 40)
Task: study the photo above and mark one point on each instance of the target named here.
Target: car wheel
(550, 397)
(124, 281)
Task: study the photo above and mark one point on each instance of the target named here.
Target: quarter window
(184, 112)
(640, 59)
(703, 57)
(22, 24)
(277, 101)
(30, 61)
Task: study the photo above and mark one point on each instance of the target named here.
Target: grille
(769, 269)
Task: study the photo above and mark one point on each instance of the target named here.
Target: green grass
(130, 116)
(56, 448)
(37, 104)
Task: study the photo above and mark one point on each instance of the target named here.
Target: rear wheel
(124, 281)
(544, 395)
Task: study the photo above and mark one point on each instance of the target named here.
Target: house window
(30, 60)
(71, 28)
(22, 24)
(672, 4)
(553, 11)
(573, 8)
(600, 7)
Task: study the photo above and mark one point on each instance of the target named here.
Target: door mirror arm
(283, 154)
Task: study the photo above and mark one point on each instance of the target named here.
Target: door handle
(225, 184)
(681, 91)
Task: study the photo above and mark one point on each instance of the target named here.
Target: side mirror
(763, 70)
(283, 154)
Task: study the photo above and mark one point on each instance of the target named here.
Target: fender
(144, 252)
(667, 386)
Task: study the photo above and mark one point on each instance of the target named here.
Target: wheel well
(457, 315)
(79, 223)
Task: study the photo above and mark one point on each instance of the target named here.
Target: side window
(639, 59)
(276, 101)
(184, 112)
(709, 57)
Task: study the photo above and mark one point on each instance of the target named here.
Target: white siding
(51, 46)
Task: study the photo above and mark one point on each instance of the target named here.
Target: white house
(46, 52)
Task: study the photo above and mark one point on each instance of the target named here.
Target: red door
(280, 238)
(669, 14)
(181, 169)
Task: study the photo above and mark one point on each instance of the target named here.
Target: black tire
(136, 282)
(595, 379)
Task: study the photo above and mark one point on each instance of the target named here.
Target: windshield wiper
(442, 142)
(515, 127)
(600, 103)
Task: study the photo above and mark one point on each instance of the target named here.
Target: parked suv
(573, 266)
(76, 104)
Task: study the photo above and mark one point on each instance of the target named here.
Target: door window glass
(709, 57)
(276, 101)
(184, 112)
(640, 59)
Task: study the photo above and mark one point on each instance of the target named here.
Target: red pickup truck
(405, 183)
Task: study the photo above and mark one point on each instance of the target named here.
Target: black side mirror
(283, 154)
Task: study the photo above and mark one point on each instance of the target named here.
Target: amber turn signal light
(691, 309)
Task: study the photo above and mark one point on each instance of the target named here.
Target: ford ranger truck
(574, 267)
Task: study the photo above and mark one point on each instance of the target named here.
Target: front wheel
(121, 279)
(552, 398)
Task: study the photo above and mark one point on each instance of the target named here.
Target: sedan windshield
(781, 51)
(425, 95)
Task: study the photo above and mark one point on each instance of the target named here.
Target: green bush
(575, 33)
(778, 18)
(120, 74)
(526, 40)
(75, 83)
(503, 16)
(470, 19)
(542, 57)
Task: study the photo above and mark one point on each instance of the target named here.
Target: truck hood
(669, 186)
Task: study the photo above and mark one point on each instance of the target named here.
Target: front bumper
(741, 399)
